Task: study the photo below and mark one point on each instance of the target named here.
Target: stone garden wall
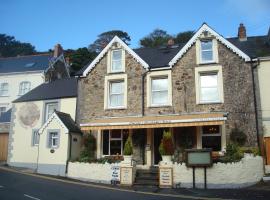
(240, 174)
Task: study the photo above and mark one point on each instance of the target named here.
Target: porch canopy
(155, 121)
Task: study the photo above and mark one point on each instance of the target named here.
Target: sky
(77, 23)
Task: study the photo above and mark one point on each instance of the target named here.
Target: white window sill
(212, 102)
(4, 95)
(116, 72)
(158, 106)
(208, 62)
(116, 108)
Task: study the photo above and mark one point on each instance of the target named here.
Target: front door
(158, 133)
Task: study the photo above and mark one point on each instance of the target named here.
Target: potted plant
(128, 151)
(166, 148)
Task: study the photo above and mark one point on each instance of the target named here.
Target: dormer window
(206, 51)
(116, 64)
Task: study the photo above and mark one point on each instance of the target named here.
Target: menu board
(115, 174)
(126, 175)
(165, 177)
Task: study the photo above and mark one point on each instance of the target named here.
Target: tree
(157, 38)
(106, 37)
(183, 37)
(79, 58)
(9, 47)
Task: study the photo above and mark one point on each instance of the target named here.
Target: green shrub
(128, 150)
(237, 136)
(88, 153)
(233, 153)
(253, 150)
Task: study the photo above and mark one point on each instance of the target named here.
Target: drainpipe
(69, 156)
(253, 67)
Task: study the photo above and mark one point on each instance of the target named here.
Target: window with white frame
(116, 60)
(207, 51)
(209, 91)
(24, 87)
(50, 108)
(113, 141)
(35, 137)
(211, 137)
(2, 110)
(159, 91)
(53, 139)
(116, 94)
(4, 89)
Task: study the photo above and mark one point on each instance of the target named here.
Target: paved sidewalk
(259, 191)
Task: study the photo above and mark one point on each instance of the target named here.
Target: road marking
(111, 188)
(1, 186)
(31, 197)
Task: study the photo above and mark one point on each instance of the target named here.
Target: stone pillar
(223, 137)
(149, 147)
(99, 144)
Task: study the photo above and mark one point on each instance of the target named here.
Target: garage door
(3, 146)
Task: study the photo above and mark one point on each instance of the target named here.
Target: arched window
(25, 87)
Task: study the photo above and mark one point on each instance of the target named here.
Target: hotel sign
(165, 177)
(199, 157)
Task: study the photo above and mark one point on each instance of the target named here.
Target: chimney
(170, 42)
(58, 50)
(242, 35)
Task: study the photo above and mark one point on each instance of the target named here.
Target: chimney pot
(242, 34)
(58, 50)
(170, 42)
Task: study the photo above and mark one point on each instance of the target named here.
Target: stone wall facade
(237, 87)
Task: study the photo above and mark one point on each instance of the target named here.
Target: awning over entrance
(155, 121)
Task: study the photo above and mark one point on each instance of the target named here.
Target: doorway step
(147, 177)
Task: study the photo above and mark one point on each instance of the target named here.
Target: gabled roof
(64, 120)
(25, 63)
(105, 50)
(62, 88)
(5, 117)
(219, 37)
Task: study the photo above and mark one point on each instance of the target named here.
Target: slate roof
(5, 117)
(255, 46)
(62, 88)
(25, 63)
(68, 122)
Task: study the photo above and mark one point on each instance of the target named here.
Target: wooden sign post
(199, 158)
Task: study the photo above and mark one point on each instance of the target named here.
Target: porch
(189, 131)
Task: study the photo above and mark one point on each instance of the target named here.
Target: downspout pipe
(253, 67)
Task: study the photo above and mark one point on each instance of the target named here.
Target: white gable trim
(54, 116)
(105, 50)
(203, 28)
